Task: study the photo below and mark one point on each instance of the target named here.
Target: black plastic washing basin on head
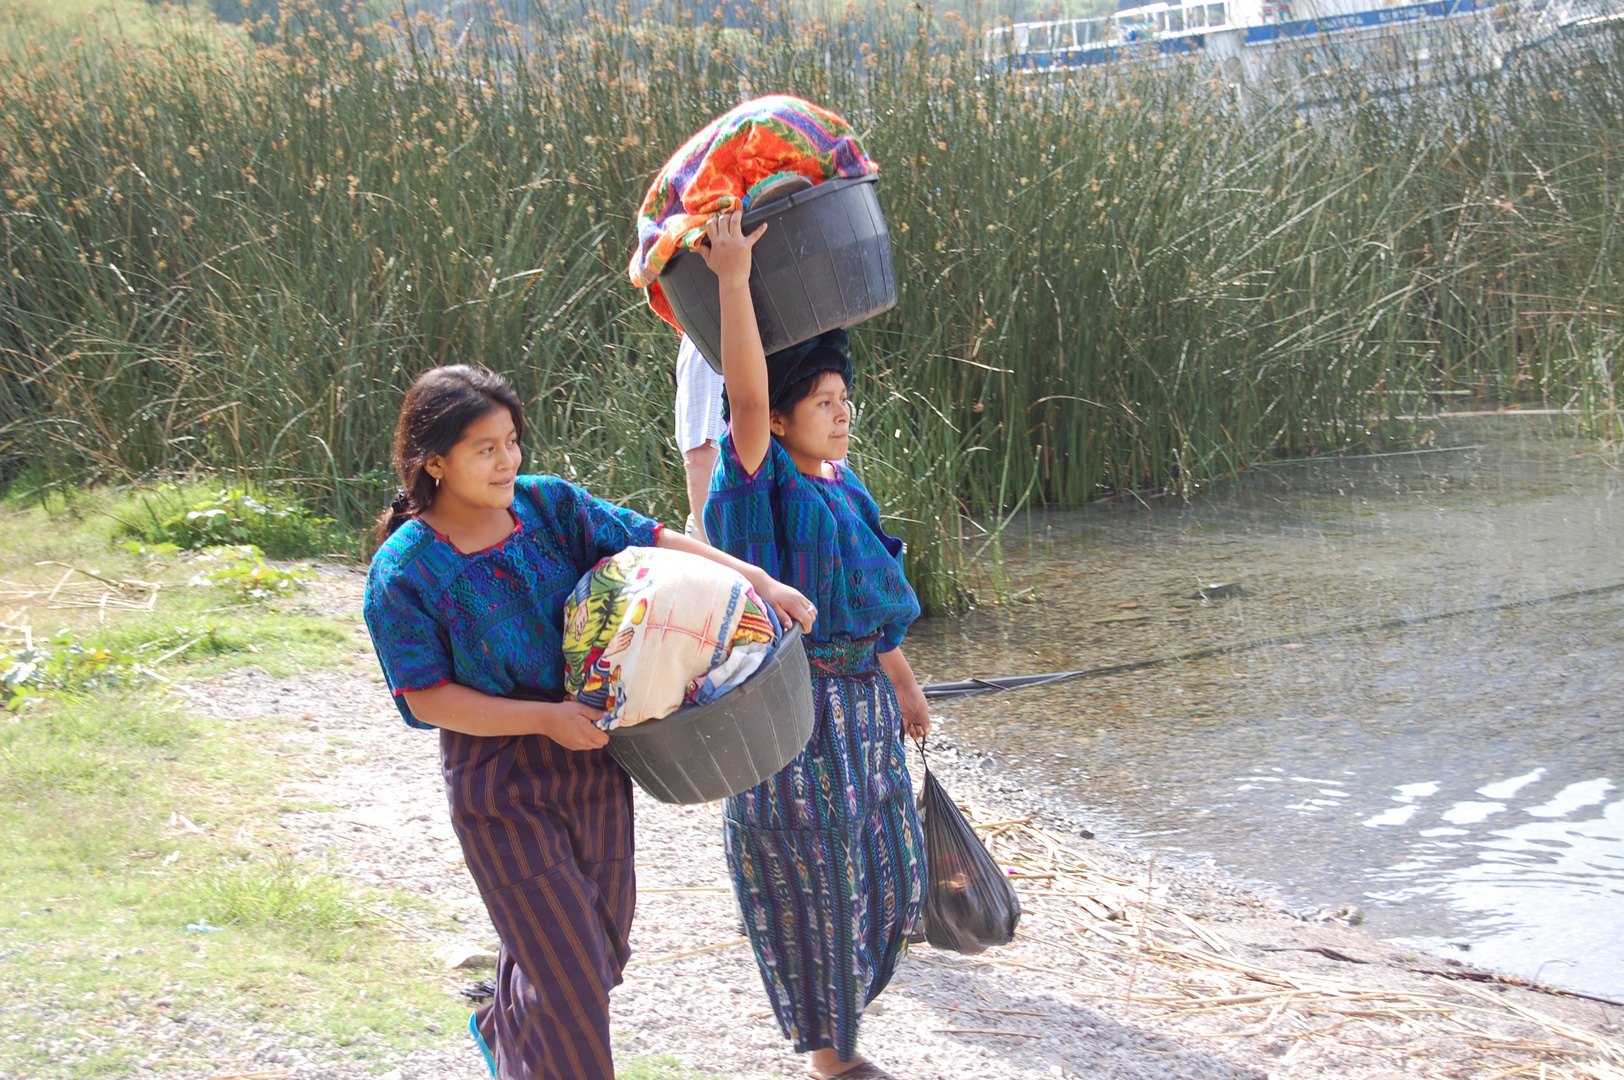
(701, 753)
(824, 263)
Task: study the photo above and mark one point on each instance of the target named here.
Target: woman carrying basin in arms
(827, 856)
(465, 604)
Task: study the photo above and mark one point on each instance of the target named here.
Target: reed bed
(232, 252)
(1123, 944)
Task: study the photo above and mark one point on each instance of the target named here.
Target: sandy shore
(1122, 968)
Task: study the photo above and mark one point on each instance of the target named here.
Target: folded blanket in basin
(649, 629)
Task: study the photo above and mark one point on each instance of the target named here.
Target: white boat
(1257, 41)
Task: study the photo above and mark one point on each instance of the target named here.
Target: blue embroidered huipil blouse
(821, 536)
(492, 620)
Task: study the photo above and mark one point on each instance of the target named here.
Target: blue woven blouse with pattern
(492, 620)
(831, 545)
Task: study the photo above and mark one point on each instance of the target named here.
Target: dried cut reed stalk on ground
(96, 591)
(16, 624)
(1141, 950)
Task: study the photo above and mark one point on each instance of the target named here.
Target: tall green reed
(233, 256)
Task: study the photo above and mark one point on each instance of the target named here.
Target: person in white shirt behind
(699, 428)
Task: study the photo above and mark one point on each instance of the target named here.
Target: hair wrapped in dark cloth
(788, 370)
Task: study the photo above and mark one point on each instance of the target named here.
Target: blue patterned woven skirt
(827, 857)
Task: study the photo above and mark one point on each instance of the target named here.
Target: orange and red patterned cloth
(737, 154)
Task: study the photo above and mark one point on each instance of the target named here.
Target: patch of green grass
(63, 752)
(60, 550)
(36, 525)
(127, 819)
(209, 642)
(652, 1067)
(54, 24)
(42, 521)
(22, 19)
(159, 647)
(256, 894)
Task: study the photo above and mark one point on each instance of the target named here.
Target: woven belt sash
(843, 656)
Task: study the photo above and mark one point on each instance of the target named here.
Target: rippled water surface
(1461, 780)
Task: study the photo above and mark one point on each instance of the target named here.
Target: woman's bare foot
(825, 1064)
(861, 1069)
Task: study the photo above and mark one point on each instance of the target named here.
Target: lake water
(1461, 780)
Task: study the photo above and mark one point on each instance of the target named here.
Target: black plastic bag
(970, 904)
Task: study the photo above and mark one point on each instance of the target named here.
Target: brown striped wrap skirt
(547, 833)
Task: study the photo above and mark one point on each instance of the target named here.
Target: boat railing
(1498, 29)
(1055, 35)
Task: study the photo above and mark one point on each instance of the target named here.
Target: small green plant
(243, 570)
(64, 665)
(149, 551)
(304, 899)
(282, 529)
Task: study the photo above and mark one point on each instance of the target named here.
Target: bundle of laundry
(650, 630)
(747, 150)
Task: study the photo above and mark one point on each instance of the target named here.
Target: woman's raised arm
(789, 603)
(744, 363)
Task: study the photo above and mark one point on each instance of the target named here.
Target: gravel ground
(1038, 1008)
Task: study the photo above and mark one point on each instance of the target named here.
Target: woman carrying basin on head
(465, 603)
(827, 856)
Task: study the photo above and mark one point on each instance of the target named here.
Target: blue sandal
(479, 1041)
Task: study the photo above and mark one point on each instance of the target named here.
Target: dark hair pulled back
(438, 409)
(817, 365)
(793, 373)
